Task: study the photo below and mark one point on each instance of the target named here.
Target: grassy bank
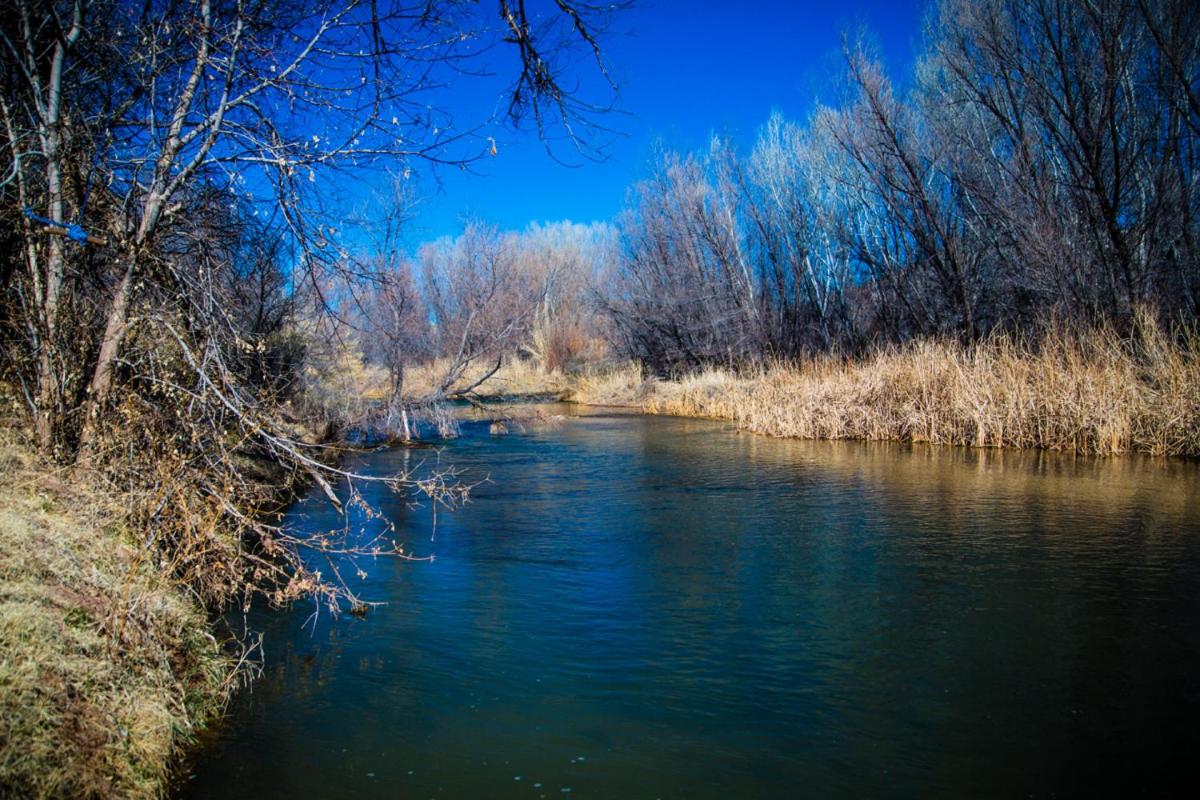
(106, 668)
(1100, 394)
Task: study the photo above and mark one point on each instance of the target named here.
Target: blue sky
(686, 69)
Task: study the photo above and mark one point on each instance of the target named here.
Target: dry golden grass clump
(621, 385)
(105, 668)
(516, 377)
(1098, 393)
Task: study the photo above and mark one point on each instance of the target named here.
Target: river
(637, 606)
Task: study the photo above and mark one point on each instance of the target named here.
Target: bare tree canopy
(120, 117)
(174, 181)
(1043, 164)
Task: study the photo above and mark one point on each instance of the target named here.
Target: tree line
(1038, 169)
(1041, 165)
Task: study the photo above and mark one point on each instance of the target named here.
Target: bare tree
(266, 100)
(1072, 128)
(570, 329)
(481, 303)
(794, 206)
(1041, 165)
(398, 335)
(686, 295)
(172, 168)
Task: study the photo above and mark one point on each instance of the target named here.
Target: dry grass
(515, 378)
(105, 667)
(621, 385)
(1099, 394)
(340, 383)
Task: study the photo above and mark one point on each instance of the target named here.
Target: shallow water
(653, 607)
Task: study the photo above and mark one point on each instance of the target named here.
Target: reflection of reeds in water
(1099, 394)
(971, 483)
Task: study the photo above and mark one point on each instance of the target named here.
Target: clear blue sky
(686, 69)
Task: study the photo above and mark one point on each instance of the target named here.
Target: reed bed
(1098, 393)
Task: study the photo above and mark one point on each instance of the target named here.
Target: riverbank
(107, 668)
(1099, 394)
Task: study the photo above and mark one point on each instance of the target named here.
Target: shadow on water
(653, 607)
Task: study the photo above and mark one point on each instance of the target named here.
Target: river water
(652, 607)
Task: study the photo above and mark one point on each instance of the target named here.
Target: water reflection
(652, 607)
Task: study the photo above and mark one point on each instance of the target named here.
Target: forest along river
(654, 607)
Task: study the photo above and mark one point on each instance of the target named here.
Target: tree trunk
(47, 397)
(407, 433)
(110, 346)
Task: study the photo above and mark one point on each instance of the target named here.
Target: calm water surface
(652, 607)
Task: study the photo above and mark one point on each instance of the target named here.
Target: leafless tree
(481, 303)
(172, 170)
(570, 329)
(1081, 121)
(1041, 165)
(273, 101)
(397, 335)
(686, 295)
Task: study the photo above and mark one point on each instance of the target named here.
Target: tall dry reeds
(1098, 393)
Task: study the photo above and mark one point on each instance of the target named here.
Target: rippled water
(652, 607)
